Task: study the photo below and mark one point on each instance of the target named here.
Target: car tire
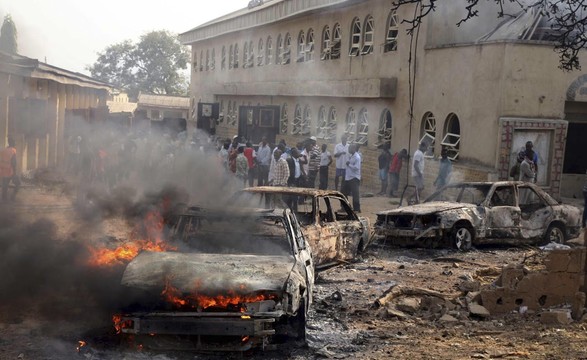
(554, 233)
(462, 237)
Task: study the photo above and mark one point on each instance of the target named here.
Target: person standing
(418, 172)
(384, 161)
(325, 161)
(8, 170)
(341, 153)
(281, 172)
(444, 170)
(242, 166)
(533, 157)
(264, 160)
(394, 170)
(527, 174)
(353, 177)
(251, 156)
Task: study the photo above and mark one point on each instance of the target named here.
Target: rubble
(555, 317)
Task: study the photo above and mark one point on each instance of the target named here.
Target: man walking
(8, 170)
(444, 170)
(281, 172)
(384, 161)
(325, 161)
(341, 153)
(418, 172)
(394, 170)
(251, 156)
(353, 177)
(264, 160)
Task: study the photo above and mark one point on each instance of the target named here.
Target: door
(503, 214)
(326, 233)
(350, 229)
(303, 248)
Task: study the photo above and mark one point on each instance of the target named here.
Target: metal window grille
(284, 121)
(307, 121)
(351, 125)
(355, 38)
(202, 60)
(223, 59)
(322, 123)
(363, 131)
(392, 32)
(213, 60)
(310, 45)
(235, 57)
(279, 57)
(269, 51)
(326, 49)
(429, 134)
(368, 36)
(384, 134)
(261, 54)
(301, 47)
(297, 122)
(336, 42)
(286, 50)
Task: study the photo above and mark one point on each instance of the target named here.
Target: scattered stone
(447, 272)
(402, 266)
(408, 305)
(455, 265)
(393, 313)
(478, 310)
(556, 317)
(578, 305)
(370, 280)
(448, 318)
(336, 296)
(469, 286)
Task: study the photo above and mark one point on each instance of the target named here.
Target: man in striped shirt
(281, 171)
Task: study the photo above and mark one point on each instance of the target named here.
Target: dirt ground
(345, 319)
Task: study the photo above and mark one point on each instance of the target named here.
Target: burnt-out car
(464, 214)
(334, 231)
(238, 279)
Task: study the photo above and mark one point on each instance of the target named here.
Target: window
(229, 113)
(363, 130)
(195, 61)
(213, 60)
(286, 49)
(368, 36)
(355, 38)
(235, 57)
(261, 53)
(230, 57)
(223, 59)
(251, 55)
(326, 44)
(351, 125)
(279, 53)
(207, 59)
(221, 113)
(384, 132)
(310, 45)
(307, 122)
(284, 121)
(336, 42)
(297, 122)
(332, 124)
(392, 32)
(428, 133)
(322, 123)
(245, 55)
(301, 47)
(452, 136)
(269, 51)
(202, 60)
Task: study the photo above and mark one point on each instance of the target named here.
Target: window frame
(261, 52)
(451, 141)
(428, 131)
(351, 125)
(306, 126)
(297, 121)
(309, 50)
(284, 120)
(392, 33)
(356, 37)
(368, 35)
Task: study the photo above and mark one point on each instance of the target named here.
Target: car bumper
(415, 234)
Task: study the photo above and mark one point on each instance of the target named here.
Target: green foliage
(8, 36)
(152, 65)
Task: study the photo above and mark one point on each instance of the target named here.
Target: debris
(555, 317)
(336, 296)
(490, 271)
(324, 352)
(396, 313)
(396, 291)
(447, 272)
(478, 311)
(402, 266)
(555, 246)
(447, 318)
(408, 305)
(578, 305)
(469, 286)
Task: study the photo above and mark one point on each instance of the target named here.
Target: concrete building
(42, 105)
(162, 112)
(346, 66)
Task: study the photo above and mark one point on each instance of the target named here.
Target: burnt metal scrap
(464, 214)
(239, 280)
(335, 232)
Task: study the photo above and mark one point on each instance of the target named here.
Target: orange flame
(80, 345)
(119, 324)
(152, 230)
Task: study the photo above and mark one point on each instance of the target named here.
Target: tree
(153, 65)
(8, 36)
(567, 19)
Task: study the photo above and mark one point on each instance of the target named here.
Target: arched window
(230, 57)
(297, 122)
(363, 128)
(356, 33)
(229, 113)
(195, 61)
(384, 133)
(213, 60)
(428, 133)
(261, 53)
(307, 121)
(279, 51)
(223, 59)
(310, 45)
(326, 44)
(284, 122)
(301, 47)
(351, 125)
(322, 126)
(235, 57)
(251, 55)
(392, 32)
(452, 136)
(332, 124)
(287, 49)
(245, 55)
(269, 51)
(368, 31)
(336, 41)
(207, 59)
(202, 60)
(221, 112)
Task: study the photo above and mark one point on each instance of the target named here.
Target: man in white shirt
(353, 177)
(341, 154)
(418, 171)
(325, 161)
(264, 160)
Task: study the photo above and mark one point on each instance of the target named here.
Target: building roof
(526, 25)
(121, 107)
(269, 12)
(165, 101)
(24, 66)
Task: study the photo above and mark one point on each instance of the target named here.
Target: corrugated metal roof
(121, 107)
(164, 101)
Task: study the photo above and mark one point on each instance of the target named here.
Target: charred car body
(465, 214)
(240, 279)
(334, 231)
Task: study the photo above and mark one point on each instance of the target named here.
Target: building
(162, 112)
(346, 66)
(41, 106)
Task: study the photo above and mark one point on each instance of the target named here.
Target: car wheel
(462, 237)
(554, 234)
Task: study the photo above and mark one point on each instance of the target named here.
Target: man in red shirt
(251, 156)
(395, 169)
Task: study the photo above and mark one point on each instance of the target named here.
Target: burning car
(238, 280)
(469, 213)
(332, 228)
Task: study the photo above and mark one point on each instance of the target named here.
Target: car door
(303, 248)
(325, 233)
(503, 213)
(536, 213)
(350, 228)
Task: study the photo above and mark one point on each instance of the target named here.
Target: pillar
(62, 103)
(52, 119)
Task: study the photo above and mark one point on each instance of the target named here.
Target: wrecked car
(238, 280)
(334, 231)
(464, 214)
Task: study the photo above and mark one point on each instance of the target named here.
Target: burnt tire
(462, 237)
(554, 233)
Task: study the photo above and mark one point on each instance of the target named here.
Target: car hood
(427, 208)
(203, 273)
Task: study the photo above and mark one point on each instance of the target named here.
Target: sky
(70, 33)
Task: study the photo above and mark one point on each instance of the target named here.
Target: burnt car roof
(291, 190)
(232, 211)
